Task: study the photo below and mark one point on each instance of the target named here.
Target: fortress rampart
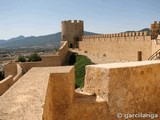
(131, 87)
(55, 60)
(118, 47)
(13, 71)
(109, 89)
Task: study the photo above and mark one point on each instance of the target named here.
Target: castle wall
(10, 69)
(6, 83)
(57, 103)
(118, 47)
(131, 87)
(54, 60)
(64, 104)
(63, 52)
(16, 70)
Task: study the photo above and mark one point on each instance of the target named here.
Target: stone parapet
(131, 87)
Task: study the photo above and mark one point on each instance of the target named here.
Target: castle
(119, 90)
(129, 46)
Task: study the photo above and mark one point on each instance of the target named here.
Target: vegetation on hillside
(81, 62)
(32, 58)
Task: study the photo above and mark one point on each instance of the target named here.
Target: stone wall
(64, 104)
(6, 83)
(132, 87)
(10, 69)
(15, 71)
(118, 47)
(55, 60)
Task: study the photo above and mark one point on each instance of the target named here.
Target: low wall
(62, 52)
(6, 83)
(54, 60)
(117, 48)
(10, 69)
(128, 88)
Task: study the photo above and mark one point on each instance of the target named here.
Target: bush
(34, 57)
(21, 59)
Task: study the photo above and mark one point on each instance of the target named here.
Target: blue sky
(42, 17)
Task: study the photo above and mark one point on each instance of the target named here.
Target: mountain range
(46, 41)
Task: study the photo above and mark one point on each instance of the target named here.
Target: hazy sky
(42, 17)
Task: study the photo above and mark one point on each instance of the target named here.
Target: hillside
(2, 41)
(45, 41)
(145, 29)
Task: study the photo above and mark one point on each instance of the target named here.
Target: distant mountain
(32, 41)
(17, 38)
(2, 41)
(89, 33)
(45, 41)
(145, 29)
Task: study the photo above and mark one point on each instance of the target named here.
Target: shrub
(34, 57)
(21, 59)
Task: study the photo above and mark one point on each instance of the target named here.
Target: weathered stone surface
(132, 87)
(62, 103)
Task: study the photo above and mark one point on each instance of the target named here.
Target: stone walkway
(25, 99)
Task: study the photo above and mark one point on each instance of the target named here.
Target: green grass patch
(81, 62)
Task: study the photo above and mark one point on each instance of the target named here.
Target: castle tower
(155, 29)
(72, 31)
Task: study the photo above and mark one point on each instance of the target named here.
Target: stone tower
(155, 29)
(72, 31)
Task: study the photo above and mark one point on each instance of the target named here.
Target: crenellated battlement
(72, 22)
(127, 34)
